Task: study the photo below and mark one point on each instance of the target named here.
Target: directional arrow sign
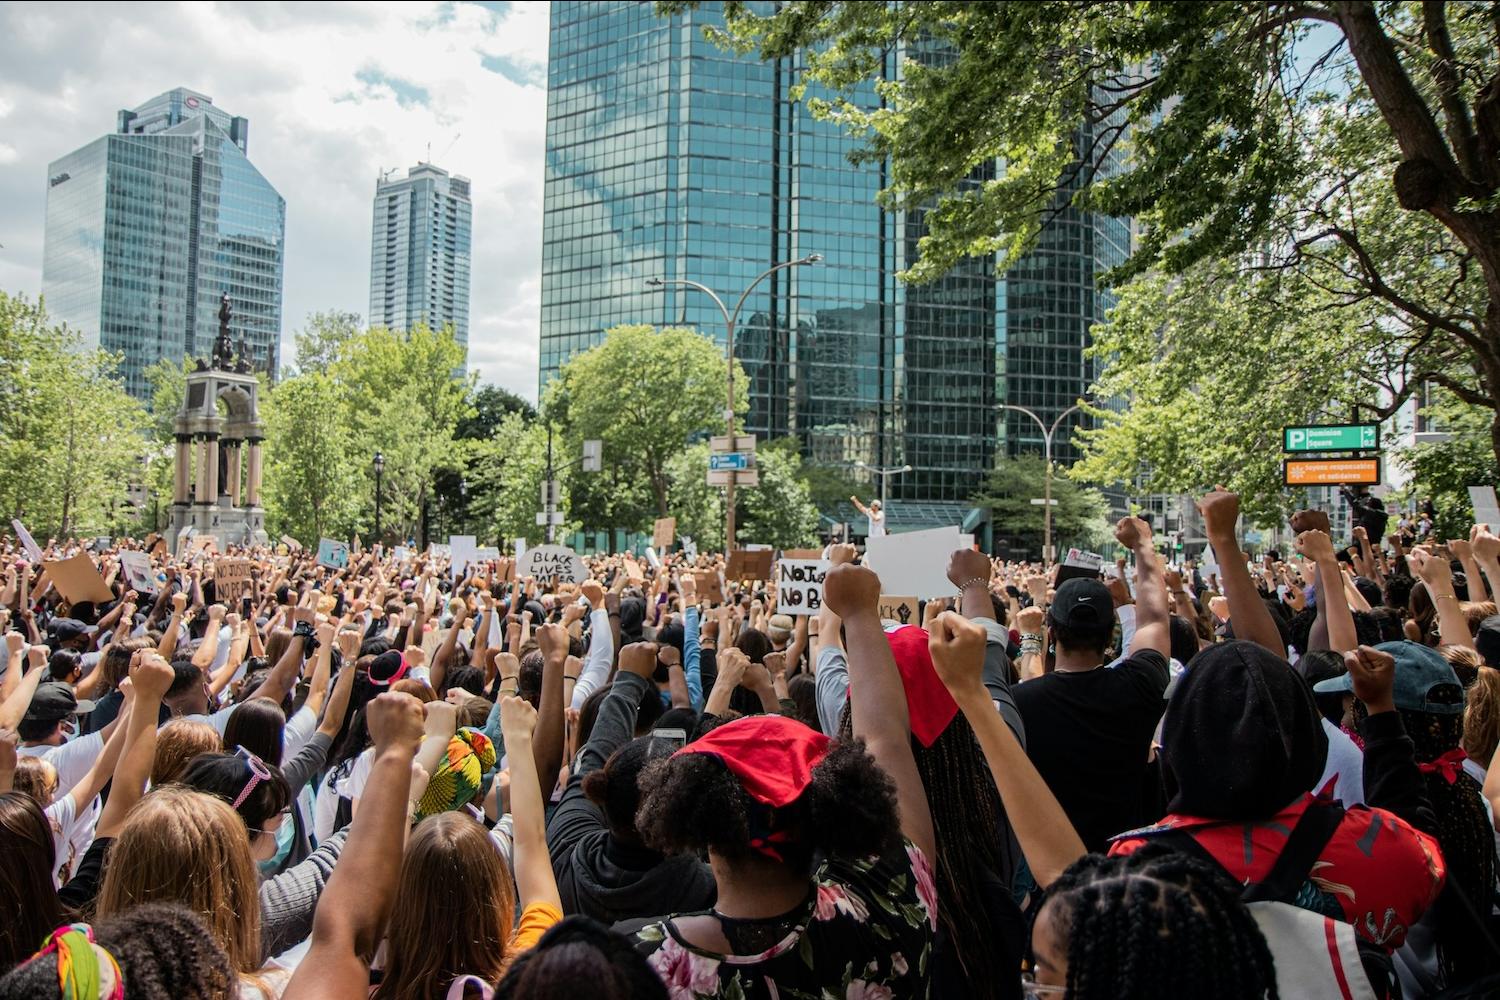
(1331, 437)
(736, 460)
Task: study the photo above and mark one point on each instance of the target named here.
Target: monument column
(235, 451)
(252, 484)
(211, 460)
(182, 468)
(200, 480)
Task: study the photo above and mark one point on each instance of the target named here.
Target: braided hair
(1155, 923)
(972, 861)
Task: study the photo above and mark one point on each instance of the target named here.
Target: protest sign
(653, 558)
(291, 543)
(710, 585)
(438, 551)
(401, 553)
(154, 542)
(33, 550)
(202, 545)
(802, 554)
(664, 532)
(689, 547)
(1486, 509)
(333, 554)
(749, 564)
(485, 552)
(231, 580)
(899, 609)
(138, 574)
(914, 562)
(633, 571)
(78, 579)
(553, 562)
(464, 550)
(799, 586)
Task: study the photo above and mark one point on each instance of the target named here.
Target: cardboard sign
(231, 580)
(553, 562)
(154, 542)
(709, 584)
(291, 543)
(333, 554)
(202, 545)
(802, 554)
(633, 571)
(138, 573)
(748, 564)
(33, 550)
(915, 562)
(799, 586)
(78, 579)
(900, 609)
(464, 550)
(663, 533)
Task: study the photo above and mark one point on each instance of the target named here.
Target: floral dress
(865, 934)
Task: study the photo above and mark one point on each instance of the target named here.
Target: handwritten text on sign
(799, 586)
(553, 562)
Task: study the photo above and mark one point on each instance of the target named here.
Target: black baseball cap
(68, 629)
(1082, 603)
(54, 701)
(1487, 640)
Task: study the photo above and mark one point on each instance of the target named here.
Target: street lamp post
(1047, 436)
(379, 470)
(885, 473)
(730, 318)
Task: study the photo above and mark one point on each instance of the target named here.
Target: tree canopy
(1353, 147)
(1079, 518)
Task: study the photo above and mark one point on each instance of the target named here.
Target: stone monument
(218, 457)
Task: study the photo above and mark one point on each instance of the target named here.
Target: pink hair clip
(258, 773)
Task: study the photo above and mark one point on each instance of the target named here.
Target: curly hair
(1156, 923)
(692, 802)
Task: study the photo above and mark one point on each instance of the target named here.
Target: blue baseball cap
(1424, 680)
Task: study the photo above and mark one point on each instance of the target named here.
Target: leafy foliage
(69, 433)
(1080, 518)
(1444, 471)
(779, 512)
(313, 482)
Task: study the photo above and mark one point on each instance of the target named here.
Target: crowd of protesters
(404, 779)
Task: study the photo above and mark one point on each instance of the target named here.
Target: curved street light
(730, 318)
(1047, 435)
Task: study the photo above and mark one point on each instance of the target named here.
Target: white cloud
(334, 93)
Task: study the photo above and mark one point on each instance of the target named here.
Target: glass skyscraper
(668, 157)
(147, 227)
(419, 251)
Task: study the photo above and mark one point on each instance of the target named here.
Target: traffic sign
(736, 460)
(1331, 437)
(1330, 471)
(724, 443)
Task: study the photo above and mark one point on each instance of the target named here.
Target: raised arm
(877, 701)
(1463, 551)
(535, 882)
(1047, 838)
(1333, 609)
(150, 676)
(283, 676)
(1434, 571)
(168, 644)
(1152, 626)
(547, 741)
(1248, 614)
(352, 912)
(14, 707)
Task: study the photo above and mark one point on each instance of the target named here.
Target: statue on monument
(223, 354)
(245, 362)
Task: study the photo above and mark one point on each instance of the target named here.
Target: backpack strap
(1308, 838)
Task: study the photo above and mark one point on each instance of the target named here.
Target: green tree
(1443, 471)
(505, 491)
(404, 401)
(1361, 157)
(489, 403)
(313, 482)
(325, 337)
(779, 512)
(1081, 516)
(644, 392)
(70, 436)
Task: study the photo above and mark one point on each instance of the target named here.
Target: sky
(334, 92)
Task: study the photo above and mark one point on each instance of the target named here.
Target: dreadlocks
(1156, 923)
(974, 865)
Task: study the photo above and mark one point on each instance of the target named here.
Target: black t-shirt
(1089, 734)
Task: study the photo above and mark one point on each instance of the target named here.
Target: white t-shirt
(877, 524)
(71, 760)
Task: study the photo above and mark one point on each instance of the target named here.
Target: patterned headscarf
(459, 776)
(79, 975)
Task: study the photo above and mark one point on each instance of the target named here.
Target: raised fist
(849, 590)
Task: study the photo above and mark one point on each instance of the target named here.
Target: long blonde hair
(182, 846)
(453, 912)
(177, 743)
(1482, 717)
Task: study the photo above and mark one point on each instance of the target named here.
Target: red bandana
(773, 756)
(1448, 765)
(928, 702)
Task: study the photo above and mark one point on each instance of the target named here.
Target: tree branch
(1456, 114)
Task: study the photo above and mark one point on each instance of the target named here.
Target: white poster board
(464, 550)
(1080, 559)
(33, 550)
(799, 585)
(553, 562)
(485, 552)
(401, 553)
(333, 554)
(138, 574)
(1486, 508)
(914, 562)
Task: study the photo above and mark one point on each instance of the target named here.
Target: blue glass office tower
(147, 227)
(419, 252)
(669, 157)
